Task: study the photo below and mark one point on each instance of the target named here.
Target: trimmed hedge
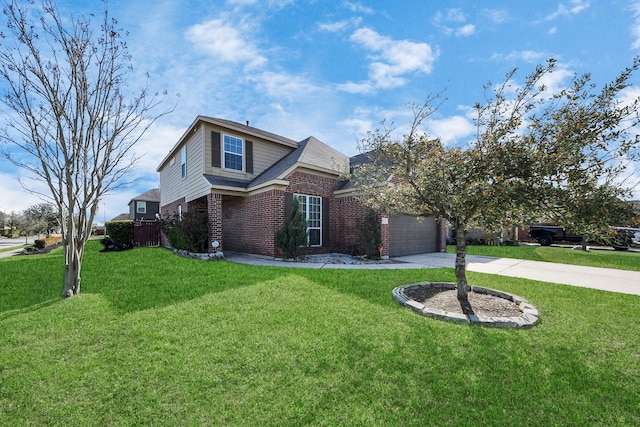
(120, 232)
(47, 241)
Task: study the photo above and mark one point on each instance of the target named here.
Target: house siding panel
(264, 155)
(193, 186)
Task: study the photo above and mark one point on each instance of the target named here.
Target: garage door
(409, 235)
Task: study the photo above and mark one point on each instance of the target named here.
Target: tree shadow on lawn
(30, 283)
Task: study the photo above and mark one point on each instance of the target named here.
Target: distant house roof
(121, 217)
(149, 196)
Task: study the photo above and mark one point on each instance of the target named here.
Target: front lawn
(606, 258)
(159, 340)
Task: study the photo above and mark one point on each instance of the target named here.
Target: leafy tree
(369, 235)
(527, 160)
(41, 218)
(586, 140)
(74, 121)
(293, 234)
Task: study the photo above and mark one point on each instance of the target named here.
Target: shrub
(46, 242)
(189, 233)
(120, 232)
(292, 237)
(369, 235)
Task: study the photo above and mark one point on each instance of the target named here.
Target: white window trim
(223, 152)
(141, 204)
(306, 212)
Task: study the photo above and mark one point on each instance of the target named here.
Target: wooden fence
(146, 233)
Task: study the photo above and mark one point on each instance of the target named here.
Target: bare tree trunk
(461, 271)
(73, 263)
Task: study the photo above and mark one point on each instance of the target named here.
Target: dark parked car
(546, 235)
(622, 239)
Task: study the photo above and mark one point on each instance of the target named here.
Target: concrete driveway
(607, 279)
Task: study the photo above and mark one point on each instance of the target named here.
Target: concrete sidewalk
(622, 281)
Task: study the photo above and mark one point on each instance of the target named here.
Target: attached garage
(412, 235)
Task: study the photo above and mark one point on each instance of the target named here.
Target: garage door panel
(412, 235)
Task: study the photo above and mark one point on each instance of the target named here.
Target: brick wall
(214, 207)
(249, 224)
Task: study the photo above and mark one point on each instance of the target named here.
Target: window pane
(232, 153)
(314, 236)
(232, 161)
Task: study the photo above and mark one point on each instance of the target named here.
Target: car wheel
(620, 248)
(545, 240)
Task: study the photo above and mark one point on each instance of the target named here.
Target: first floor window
(141, 207)
(311, 207)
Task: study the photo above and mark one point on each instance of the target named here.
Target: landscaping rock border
(530, 315)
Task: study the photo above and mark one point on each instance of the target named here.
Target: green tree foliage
(291, 239)
(190, 232)
(369, 235)
(534, 155)
(41, 218)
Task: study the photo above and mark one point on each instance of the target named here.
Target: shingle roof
(311, 152)
(149, 196)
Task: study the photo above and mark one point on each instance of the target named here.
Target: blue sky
(335, 69)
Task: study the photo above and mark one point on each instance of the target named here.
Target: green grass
(12, 248)
(606, 258)
(159, 340)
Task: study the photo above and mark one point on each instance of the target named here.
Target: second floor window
(233, 153)
(183, 161)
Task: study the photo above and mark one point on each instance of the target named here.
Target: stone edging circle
(529, 317)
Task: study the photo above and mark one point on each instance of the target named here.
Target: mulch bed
(447, 300)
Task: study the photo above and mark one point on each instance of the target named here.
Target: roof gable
(311, 153)
(230, 125)
(149, 196)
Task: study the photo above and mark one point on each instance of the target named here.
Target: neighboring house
(145, 206)
(246, 179)
(121, 217)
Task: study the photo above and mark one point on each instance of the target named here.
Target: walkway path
(608, 279)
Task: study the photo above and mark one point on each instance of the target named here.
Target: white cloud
(358, 7)
(225, 40)
(496, 16)
(339, 26)
(557, 80)
(391, 60)
(453, 21)
(451, 130)
(154, 146)
(466, 30)
(635, 28)
(563, 10)
(14, 197)
(283, 86)
(529, 56)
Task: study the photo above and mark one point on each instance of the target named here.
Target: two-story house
(246, 179)
(145, 206)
